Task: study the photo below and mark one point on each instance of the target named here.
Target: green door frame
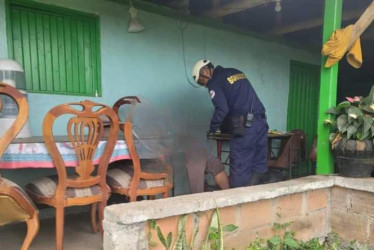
(328, 88)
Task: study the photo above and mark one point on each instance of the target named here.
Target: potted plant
(352, 135)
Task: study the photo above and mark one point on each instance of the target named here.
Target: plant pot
(355, 159)
(354, 167)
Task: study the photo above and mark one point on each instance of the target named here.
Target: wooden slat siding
(98, 54)
(87, 58)
(34, 82)
(95, 57)
(81, 59)
(41, 55)
(93, 44)
(17, 37)
(61, 53)
(57, 47)
(9, 29)
(48, 52)
(55, 60)
(26, 45)
(68, 59)
(74, 51)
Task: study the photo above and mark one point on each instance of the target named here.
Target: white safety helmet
(196, 69)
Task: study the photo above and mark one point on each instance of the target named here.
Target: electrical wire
(204, 42)
(182, 26)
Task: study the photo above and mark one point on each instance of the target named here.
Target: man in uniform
(233, 95)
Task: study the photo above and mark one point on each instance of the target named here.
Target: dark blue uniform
(233, 95)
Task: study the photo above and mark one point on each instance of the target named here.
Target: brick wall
(315, 206)
(307, 211)
(352, 214)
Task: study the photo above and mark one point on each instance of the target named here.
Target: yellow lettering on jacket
(232, 79)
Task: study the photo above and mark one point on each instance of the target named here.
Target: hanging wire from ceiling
(204, 32)
(182, 26)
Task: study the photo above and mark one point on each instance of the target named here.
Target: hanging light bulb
(278, 6)
(134, 24)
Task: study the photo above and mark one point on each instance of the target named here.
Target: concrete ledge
(134, 212)
(315, 204)
(359, 184)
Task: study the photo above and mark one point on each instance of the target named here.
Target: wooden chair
(125, 100)
(86, 186)
(313, 155)
(138, 177)
(291, 153)
(15, 205)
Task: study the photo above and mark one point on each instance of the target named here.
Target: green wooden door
(303, 102)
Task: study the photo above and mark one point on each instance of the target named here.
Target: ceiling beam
(236, 6)
(312, 23)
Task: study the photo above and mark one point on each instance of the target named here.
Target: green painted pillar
(328, 86)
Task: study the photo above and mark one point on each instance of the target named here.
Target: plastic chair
(86, 186)
(15, 205)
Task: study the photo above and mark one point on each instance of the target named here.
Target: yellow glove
(336, 47)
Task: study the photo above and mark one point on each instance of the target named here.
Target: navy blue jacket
(232, 94)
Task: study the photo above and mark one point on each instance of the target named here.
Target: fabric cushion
(120, 176)
(46, 187)
(10, 209)
(14, 185)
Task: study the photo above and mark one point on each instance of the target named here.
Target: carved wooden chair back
(20, 121)
(14, 202)
(85, 130)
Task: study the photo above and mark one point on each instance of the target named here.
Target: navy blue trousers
(248, 154)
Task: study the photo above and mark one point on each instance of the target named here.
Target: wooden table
(32, 153)
(221, 138)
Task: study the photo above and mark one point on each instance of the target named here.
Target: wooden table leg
(219, 149)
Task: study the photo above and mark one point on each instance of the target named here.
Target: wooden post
(328, 87)
(362, 24)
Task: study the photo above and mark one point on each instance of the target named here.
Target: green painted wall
(150, 64)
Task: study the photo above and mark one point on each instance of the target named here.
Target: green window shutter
(58, 48)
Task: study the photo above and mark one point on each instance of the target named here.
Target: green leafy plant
(352, 119)
(257, 244)
(152, 225)
(181, 243)
(166, 241)
(284, 239)
(214, 238)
